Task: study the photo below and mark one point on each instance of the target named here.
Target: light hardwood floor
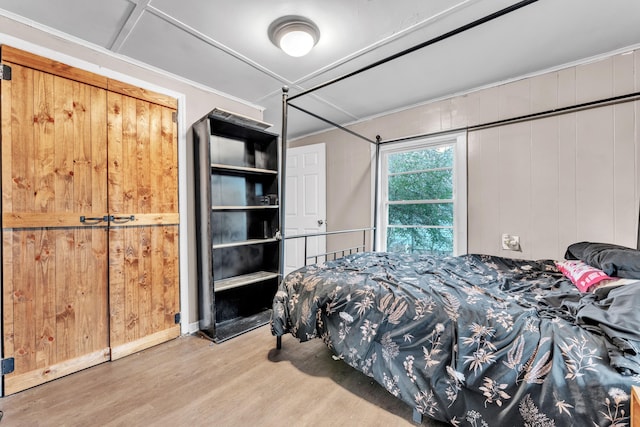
(192, 382)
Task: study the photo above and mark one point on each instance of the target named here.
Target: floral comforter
(472, 340)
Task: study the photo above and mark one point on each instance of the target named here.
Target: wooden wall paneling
(63, 157)
(155, 161)
(623, 74)
(94, 201)
(514, 99)
(483, 164)
(65, 309)
(8, 347)
(156, 276)
(169, 205)
(6, 106)
(133, 281)
(44, 267)
(143, 234)
(637, 156)
(129, 170)
(567, 145)
(624, 173)
(6, 99)
(594, 174)
(23, 280)
(116, 199)
(170, 274)
(20, 302)
(594, 80)
(567, 87)
(488, 106)
(544, 188)
(43, 144)
(131, 255)
(515, 185)
(156, 194)
(543, 92)
(22, 140)
(474, 182)
(155, 259)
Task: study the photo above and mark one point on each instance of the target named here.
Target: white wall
(551, 181)
(193, 103)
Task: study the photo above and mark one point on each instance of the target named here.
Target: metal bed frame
(325, 256)
(287, 102)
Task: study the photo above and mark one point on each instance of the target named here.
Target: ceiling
(224, 45)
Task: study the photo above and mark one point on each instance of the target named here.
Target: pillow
(581, 274)
(614, 260)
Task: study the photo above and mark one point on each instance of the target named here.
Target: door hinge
(7, 366)
(177, 318)
(174, 117)
(5, 72)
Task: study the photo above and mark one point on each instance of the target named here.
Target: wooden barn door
(54, 177)
(89, 219)
(143, 236)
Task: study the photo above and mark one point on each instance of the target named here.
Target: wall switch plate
(511, 242)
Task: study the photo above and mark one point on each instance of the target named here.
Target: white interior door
(305, 203)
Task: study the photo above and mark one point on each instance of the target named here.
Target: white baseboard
(191, 328)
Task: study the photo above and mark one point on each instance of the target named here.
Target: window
(423, 196)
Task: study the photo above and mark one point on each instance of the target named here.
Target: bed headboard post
(375, 193)
(282, 172)
(638, 225)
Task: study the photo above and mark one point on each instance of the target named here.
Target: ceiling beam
(128, 26)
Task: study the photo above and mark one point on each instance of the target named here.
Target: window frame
(459, 142)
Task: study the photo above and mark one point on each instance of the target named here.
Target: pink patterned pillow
(581, 274)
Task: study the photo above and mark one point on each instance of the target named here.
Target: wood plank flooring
(192, 382)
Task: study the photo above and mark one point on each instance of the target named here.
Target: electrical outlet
(511, 242)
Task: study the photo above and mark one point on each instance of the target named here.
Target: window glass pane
(420, 240)
(432, 185)
(421, 214)
(429, 158)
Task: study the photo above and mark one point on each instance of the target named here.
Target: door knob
(320, 222)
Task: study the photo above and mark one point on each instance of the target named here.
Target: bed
(477, 339)
(474, 339)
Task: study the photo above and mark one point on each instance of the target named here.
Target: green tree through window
(420, 206)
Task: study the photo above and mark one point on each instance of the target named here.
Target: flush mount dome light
(295, 35)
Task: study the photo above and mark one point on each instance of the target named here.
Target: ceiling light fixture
(295, 35)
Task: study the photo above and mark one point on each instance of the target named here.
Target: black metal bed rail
(334, 254)
(343, 252)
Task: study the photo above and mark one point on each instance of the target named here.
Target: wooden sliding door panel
(167, 156)
(142, 188)
(54, 265)
(143, 287)
(143, 162)
(17, 143)
(54, 147)
(53, 315)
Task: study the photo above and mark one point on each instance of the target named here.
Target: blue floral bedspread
(472, 340)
